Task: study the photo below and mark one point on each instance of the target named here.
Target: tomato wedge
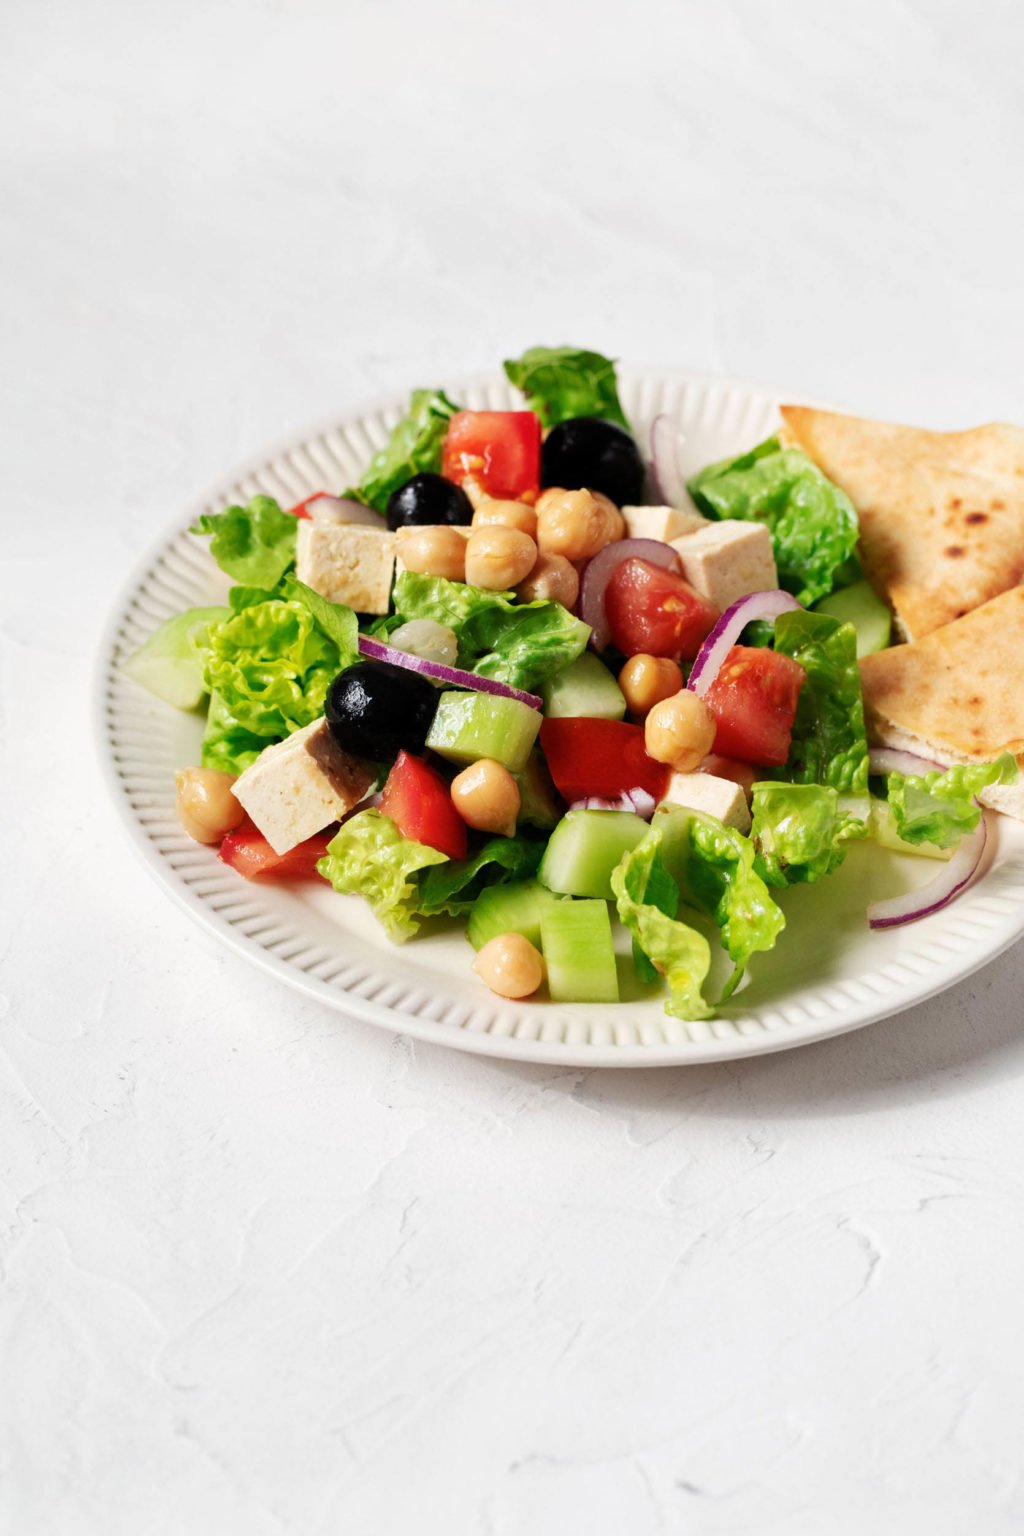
(248, 852)
(419, 803)
(599, 757)
(656, 612)
(499, 449)
(753, 700)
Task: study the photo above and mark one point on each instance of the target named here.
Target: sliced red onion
(378, 651)
(666, 471)
(338, 509)
(712, 654)
(638, 801)
(938, 893)
(599, 571)
(892, 760)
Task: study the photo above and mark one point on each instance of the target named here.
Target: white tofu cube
(716, 797)
(299, 786)
(664, 523)
(728, 560)
(347, 563)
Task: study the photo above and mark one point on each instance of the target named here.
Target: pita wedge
(957, 695)
(941, 513)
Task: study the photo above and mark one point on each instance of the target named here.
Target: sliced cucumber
(468, 726)
(169, 663)
(586, 687)
(576, 937)
(537, 804)
(882, 824)
(861, 606)
(584, 849)
(509, 909)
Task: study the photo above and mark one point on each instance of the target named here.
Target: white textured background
(266, 1272)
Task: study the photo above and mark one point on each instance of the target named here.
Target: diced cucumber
(586, 687)
(861, 606)
(169, 663)
(537, 804)
(468, 726)
(576, 937)
(882, 824)
(584, 849)
(509, 909)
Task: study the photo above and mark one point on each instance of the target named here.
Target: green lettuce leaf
(254, 544)
(800, 832)
(829, 742)
(172, 661)
(938, 807)
(643, 890)
(414, 448)
(335, 620)
(813, 523)
(521, 644)
(455, 886)
(227, 745)
(562, 382)
(368, 857)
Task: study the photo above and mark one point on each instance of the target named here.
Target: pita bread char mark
(941, 513)
(957, 695)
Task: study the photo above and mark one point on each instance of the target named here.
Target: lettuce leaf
(455, 886)
(521, 644)
(813, 523)
(335, 620)
(938, 807)
(829, 743)
(800, 832)
(227, 745)
(562, 382)
(368, 857)
(643, 889)
(254, 544)
(414, 448)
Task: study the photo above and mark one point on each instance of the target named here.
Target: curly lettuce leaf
(254, 544)
(939, 807)
(813, 523)
(643, 890)
(368, 857)
(562, 382)
(335, 620)
(800, 832)
(521, 644)
(829, 743)
(454, 887)
(227, 745)
(414, 448)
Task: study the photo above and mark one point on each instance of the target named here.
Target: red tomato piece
(599, 757)
(419, 803)
(655, 612)
(500, 449)
(248, 852)
(300, 508)
(753, 700)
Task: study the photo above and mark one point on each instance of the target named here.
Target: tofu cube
(728, 560)
(664, 523)
(347, 563)
(716, 797)
(299, 786)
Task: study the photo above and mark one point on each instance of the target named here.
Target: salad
(525, 676)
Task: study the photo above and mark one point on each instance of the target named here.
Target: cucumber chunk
(468, 726)
(584, 849)
(860, 606)
(586, 687)
(509, 909)
(538, 806)
(576, 937)
(169, 663)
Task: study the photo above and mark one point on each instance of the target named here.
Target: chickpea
(486, 796)
(680, 731)
(576, 524)
(506, 514)
(474, 487)
(433, 550)
(553, 577)
(206, 807)
(510, 965)
(614, 519)
(498, 558)
(646, 680)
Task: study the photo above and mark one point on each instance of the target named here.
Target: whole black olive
(599, 455)
(428, 499)
(376, 709)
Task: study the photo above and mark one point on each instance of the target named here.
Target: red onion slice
(378, 651)
(666, 471)
(892, 760)
(599, 571)
(637, 801)
(338, 509)
(938, 893)
(712, 654)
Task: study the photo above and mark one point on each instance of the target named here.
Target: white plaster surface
(264, 1271)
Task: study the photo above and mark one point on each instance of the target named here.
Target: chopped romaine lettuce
(813, 523)
(368, 857)
(454, 887)
(800, 832)
(939, 807)
(227, 745)
(646, 898)
(414, 448)
(562, 382)
(829, 743)
(337, 622)
(254, 544)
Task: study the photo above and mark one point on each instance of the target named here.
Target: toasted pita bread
(957, 695)
(941, 513)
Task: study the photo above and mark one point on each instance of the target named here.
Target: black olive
(376, 709)
(599, 455)
(428, 499)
